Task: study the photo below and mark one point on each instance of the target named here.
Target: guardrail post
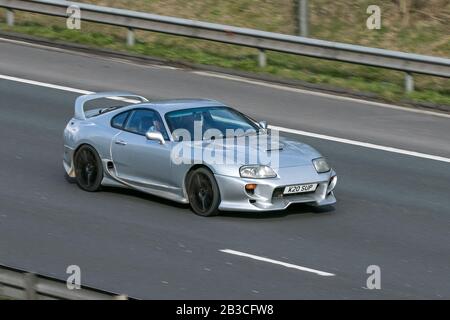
(262, 59)
(130, 37)
(409, 82)
(30, 286)
(9, 17)
(303, 17)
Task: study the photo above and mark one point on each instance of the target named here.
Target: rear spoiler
(79, 103)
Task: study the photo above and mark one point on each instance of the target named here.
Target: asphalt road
(393, 210)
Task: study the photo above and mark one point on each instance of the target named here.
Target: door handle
(120, 142)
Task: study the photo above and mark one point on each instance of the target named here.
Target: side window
(141, 121)
(119, 120)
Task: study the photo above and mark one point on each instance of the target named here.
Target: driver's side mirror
(263, 124)
(156, 136)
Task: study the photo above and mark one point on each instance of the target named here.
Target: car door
(137, 160)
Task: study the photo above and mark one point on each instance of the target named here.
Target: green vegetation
(344, 21)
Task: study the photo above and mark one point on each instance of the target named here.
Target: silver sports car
(198, 151)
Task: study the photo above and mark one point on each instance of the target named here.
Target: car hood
(285, 153)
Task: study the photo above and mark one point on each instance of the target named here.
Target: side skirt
(110, 179)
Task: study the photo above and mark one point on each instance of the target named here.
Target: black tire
(203, 193)
(88, 169)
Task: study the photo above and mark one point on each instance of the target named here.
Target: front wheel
(203, 192)
(88, 169)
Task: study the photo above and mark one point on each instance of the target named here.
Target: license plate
(300, 188)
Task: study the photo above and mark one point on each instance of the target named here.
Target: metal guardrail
(19, 284)
(261, 40)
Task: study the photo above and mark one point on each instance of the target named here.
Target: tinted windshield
(209, 122)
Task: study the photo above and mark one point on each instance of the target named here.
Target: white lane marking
(281, 263)
(299, 132)
(43, 84)
(362, 144)
(64, 88)
(319, 94)
(242, 79)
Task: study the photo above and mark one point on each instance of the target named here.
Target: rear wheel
(203, 192)
(88, 169)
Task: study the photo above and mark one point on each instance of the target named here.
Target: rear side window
(119, 120)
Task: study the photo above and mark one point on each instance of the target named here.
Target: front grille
(278, 192)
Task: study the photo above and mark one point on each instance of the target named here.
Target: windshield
(209, 123)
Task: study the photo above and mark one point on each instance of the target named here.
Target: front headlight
(321, 165)
(257, 172)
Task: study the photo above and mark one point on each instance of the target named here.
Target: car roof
(164, 106)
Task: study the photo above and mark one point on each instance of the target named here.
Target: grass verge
(384, 84)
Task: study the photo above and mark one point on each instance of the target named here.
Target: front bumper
(268, 195)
